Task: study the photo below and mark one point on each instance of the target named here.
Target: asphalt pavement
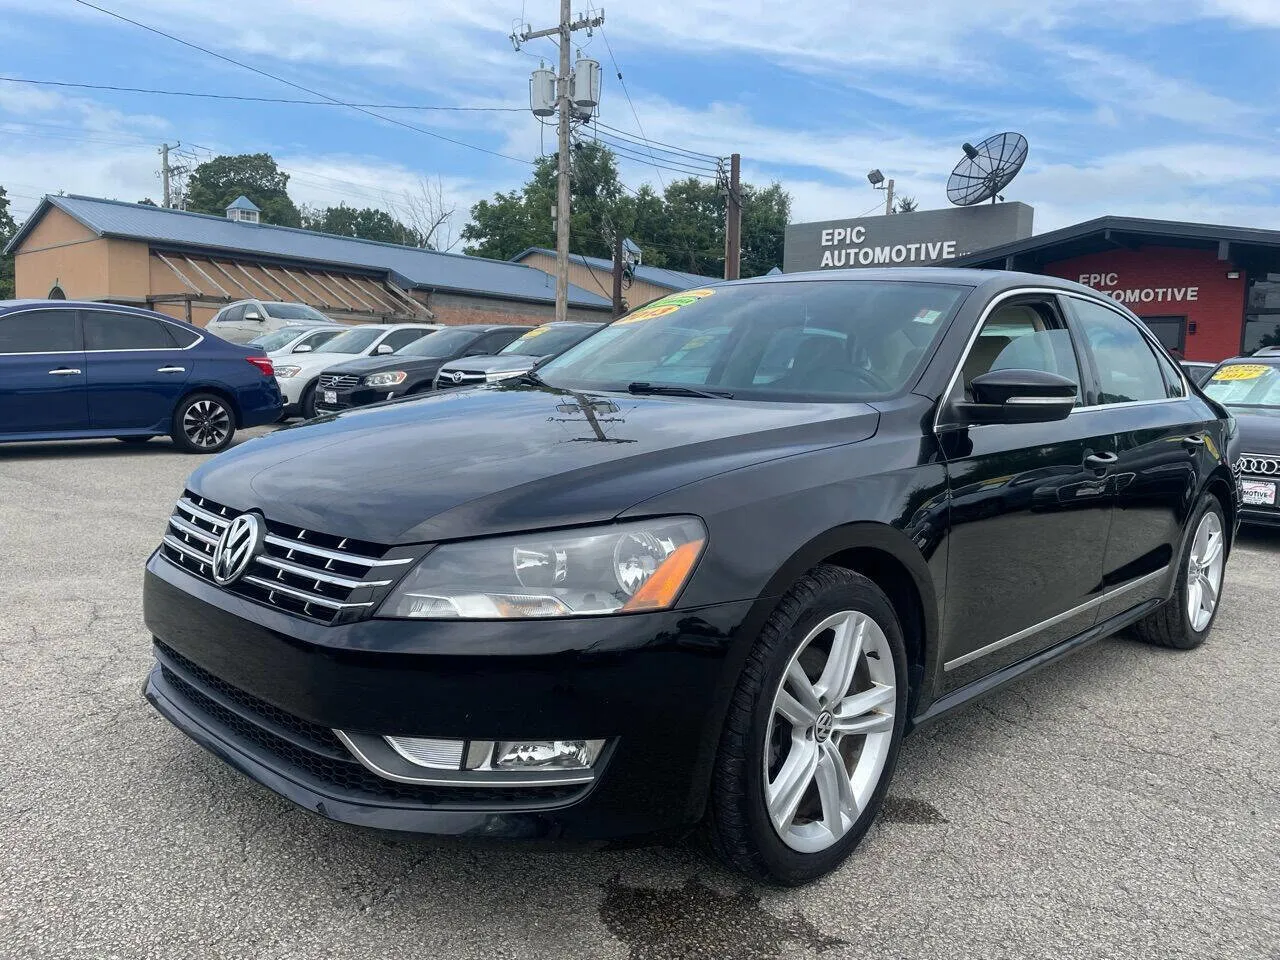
(1125, 803)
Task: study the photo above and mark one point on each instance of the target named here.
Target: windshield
(845, 340)
(546, 341)
(280, 338)
(442, 343)
(293, 311)
(1245, 385)
(353, 341)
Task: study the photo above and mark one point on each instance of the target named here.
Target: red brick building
(1206, 291)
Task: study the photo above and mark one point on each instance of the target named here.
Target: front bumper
(264, 691)
(361, 396)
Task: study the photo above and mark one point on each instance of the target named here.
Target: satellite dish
(987, 169)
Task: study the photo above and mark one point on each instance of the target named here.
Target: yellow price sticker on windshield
(535, 332)
(1241, 371)
(665, 306)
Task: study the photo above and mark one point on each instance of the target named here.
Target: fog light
(546, 754)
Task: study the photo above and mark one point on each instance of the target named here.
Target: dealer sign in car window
(1249, 388)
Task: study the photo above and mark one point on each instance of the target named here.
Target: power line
(627, 94)
(673, 156)
(635, 155)
(246, 99)
(297, 86)
(659, 143)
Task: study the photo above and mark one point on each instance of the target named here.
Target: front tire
(203, 423)
(308, 402)
(1185, 621)
(813, 731)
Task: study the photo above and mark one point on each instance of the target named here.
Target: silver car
(297, 339)
(244, 320)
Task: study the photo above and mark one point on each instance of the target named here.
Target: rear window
(804, 340)
(293, 311)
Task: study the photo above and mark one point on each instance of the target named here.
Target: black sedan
(1250, 388)
(517, 357)
(411, 369)
(709, 568)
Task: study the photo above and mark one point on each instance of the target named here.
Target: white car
(299, 339)
(298, 375)
(243, 320)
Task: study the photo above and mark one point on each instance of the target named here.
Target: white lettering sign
(1109, 283)
(843, 247)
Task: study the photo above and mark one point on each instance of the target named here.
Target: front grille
(310, 754)
(332, 380)
(315, 575)
(1258, 465)
(468, 377)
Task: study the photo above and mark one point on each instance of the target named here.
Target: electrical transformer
(586, 84)
(542, 92)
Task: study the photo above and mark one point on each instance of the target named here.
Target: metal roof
(658, 276)
(410, 266)
(244, 203)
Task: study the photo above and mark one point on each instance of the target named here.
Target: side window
(184, 336)
(1126, 365)
(1021, 336)
(38, 331)
(401, 338)
(1172, 376)
(320, 336)
(124, 331)
(231, 314)
(493, 342)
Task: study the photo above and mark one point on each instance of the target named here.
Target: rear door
(136, 370)
(1030, 504)
(42, 379)
(1164, 450)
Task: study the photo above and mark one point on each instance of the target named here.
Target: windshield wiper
(675, 390)
(531, 378)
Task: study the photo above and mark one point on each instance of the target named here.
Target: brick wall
(1171, 282)
(454, 309)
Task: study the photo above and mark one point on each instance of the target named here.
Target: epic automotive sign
(1114, 287)
(904, 239)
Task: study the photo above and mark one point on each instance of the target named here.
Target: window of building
(1262, 315)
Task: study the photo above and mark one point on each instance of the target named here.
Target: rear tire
(203, 423)
(813, 731)
(1198, 587)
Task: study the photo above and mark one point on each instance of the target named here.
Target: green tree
(683, 228)
(905, 204)
(7, 229)
(367, 223)
(214, 184)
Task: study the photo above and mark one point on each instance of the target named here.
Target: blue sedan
(72, 370)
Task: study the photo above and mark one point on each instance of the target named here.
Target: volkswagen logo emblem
(457, 376)
(237, 547)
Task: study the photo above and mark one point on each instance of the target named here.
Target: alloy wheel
(1204, 571)
(206, 423)
(830, 731)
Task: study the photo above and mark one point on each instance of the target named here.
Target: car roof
(992, 281)
(7, 306)
(1270, 361)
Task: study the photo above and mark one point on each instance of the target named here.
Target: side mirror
(252, 315)
(384, 348)
(1016, 396)
(303, 348)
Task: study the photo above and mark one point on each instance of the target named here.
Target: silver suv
(243, 320)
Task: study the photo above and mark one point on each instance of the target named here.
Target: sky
(1154, 108)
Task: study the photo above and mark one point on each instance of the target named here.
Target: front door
(1030, 507)
(42, 379)
(136, 373)
(1164, 452)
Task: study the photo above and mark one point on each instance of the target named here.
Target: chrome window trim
(1055, 292)
(105, 308)
(42, 353)
(1035, 628)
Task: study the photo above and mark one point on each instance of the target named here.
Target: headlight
(502, 375)
(622, 568)
(389, 379)
(287, 371)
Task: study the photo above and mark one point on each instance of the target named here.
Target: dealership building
(190, 265)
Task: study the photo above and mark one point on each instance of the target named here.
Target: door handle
(1101, 461)
(171, 370)
(1193, 442)
(64, 372)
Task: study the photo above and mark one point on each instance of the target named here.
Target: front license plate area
(1259, 493)
(331, 396)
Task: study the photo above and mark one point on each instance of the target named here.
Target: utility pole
(888, 197)
(564, 108)
(164, 173)
(733, 220)
(617, 274)
(169, 174)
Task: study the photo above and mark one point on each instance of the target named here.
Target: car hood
(1259, 429)
(500, 459)
(387, 361)
(512, 362)
(315, 362)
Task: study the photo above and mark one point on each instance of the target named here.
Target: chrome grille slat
(335, 380)
(302, 573)
(312, 574)
(276, 586)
